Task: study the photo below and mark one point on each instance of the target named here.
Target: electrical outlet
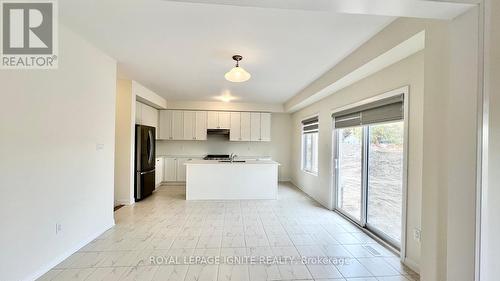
(417, 234)
(58, 228)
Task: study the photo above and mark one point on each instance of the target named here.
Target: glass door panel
(385, 180)
(350, 171)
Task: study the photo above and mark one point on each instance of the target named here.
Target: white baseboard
(123, 202)
(411, 264)
(324, 204)
(47, 267)
(173, 183)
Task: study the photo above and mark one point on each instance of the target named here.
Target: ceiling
(182, 50)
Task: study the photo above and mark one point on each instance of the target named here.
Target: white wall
(447, 140)
(51, 171)
(461, 150)
(407, 72)
(278, 148)
(490, 249)
(124, 143)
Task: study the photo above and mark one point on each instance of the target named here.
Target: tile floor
(165, 226)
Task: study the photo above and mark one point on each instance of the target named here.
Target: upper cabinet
(177, 125)
(219, 120)
(265, 127)
(260, 126)
(146, 115)
(165, 132)
(245, 126)
(235, 130)
(183, 125)
(193, 125)
(138, 113)
(200, 130)
(254, 126)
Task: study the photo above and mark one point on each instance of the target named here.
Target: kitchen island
(225, 180)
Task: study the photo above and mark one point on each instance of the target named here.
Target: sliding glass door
(350, 167)
(369, 161)
(385, 180)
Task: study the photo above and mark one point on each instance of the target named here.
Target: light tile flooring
(165, 225)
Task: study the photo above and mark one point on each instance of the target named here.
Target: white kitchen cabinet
(138, 113)
(159, 171)
(189, 125)
(265, 127)
(224, 120)
(177, 125)
(193, 125)
(235, 131)
(255, 126)
(212, 120)
(149, 116)
(146, 115)
(181, 169)
(165, 125)
(174, 169)
(245, 126)
(169, 169)
(219, 120)
(201, 125)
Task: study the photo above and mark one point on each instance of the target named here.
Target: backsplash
(214, 145)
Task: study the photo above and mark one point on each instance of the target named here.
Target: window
(310, 145)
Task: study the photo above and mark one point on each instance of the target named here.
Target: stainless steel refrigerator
(144, 161)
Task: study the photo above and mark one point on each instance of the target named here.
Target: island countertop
(218, 162)
(214, 180)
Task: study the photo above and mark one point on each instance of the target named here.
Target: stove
(216, 157)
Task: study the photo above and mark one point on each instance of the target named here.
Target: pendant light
(237, 73)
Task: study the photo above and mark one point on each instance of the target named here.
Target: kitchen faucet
(232, 156)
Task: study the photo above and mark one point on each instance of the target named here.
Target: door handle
(147, 172)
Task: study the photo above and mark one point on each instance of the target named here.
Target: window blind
(390, 109)
(310, 125)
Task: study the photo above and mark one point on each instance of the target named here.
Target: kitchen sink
(235, 161)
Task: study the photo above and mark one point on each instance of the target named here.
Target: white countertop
(216, 162)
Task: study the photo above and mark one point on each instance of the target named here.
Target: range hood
(218, 132)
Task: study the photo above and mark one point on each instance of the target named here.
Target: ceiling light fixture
(237, 73)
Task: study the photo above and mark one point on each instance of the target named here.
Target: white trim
(47, 267)
(123, 202)
(404, 211)
(482, 148)
(324, 204)
(173, 183)
(312, 173)
(405, 90)
(413, 265)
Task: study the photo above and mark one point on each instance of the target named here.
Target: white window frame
(315, 150)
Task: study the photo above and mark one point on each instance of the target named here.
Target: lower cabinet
(159, 171)
(170, 169)
(174, 169)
